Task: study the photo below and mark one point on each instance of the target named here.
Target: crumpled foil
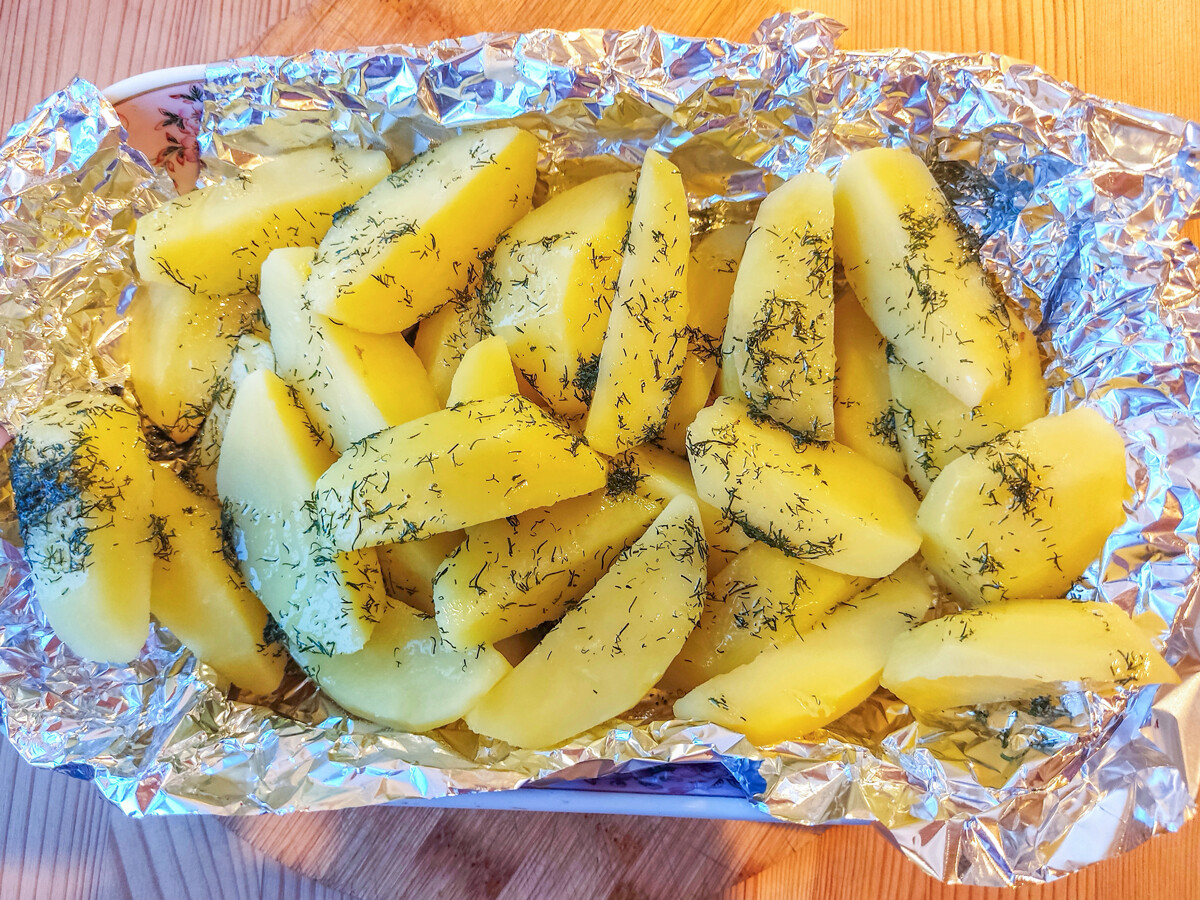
(1078, 204)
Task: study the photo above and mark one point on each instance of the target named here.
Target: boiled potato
(934, 427)
(444, 338)
(214, 240)
(764, 598)
(486, 371)
(512, 574)
(863, 417)
(408, 568)
(645, 342)
(407, 247)
(916, 275)
(477, 461)
(1024, 515)
(660, 476)
(178, 344)
(250, 354)
(817, 501)
(1022, 649)
(199, 594)
(83, 490)
(711, 271)
(788, 691)
(604, 654)
(406, 677)
(549, 290)
(325, 601)
(779, 340)
(351, 383)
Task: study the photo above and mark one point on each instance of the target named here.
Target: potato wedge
(214, 240)
(764, 598)
(408, 568)
(1024, 515)
(178, 344)
(610, 649)
(1015, 650)
(199, 594)
(406, 248)
(646, 341)
(934, 427)
(250, 354)
(325, 601)
(443, 339)
(659, 476)
(406, 677)
(863, 417)
(711, 271)
(816, 501)
(475, 462)
(486, 371)
(549, 289)
(83, 491)
(513, 574)
(916, 276)
(779, 340)
(352, 384)
(789, 691)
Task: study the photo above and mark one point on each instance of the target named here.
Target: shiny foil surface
(1078, 203)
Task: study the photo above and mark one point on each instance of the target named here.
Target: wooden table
(58, 839)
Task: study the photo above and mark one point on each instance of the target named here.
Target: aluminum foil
(1078, 204)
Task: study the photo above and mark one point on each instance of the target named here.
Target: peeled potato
(408, 568)
(486, 371)
(214, 240)
(1024, 515)
(444, 338)
(83, 489)
(788, 691)
(816, 501)
(646, 341)
(604, 654)
(199, 594)
(406, 248)
(1021, 649)
(477, 461)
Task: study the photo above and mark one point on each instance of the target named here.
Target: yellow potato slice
(477, 461)
(352, 384)
(549, 290)
(917, 276)
(779, 340)
(1019, 650)
(513, 574)
(604, 654)
(789, 691)
(711, 273)
(444, 338)
(250, 354)
(408, 568)
(659, 476)
(646, 341)
(199, 594)
(214, 240)
(1024, 515)
(83, 488)
(408, 246)
(178, 345)
(325, 602)
(816, 501)
(863, 418)
(934, 427)
(406, 677)
(764, 598)
(486, 371)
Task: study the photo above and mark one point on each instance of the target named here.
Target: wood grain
(58, 839)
